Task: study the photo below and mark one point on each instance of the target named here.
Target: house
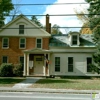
(43, 54)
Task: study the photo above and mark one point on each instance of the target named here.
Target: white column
(27, 64)
(24, 73)
(48, 64)
(44, 70)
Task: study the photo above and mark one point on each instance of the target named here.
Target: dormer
(74, 38)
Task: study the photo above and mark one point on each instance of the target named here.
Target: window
(70, 64)
(89, 61)
(39, 43)
(74, 39)
(21, 60)
(4, 59)
(22, 43)
(21, 29)
(57, 64)
(5, 43)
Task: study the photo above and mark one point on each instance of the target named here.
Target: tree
(55, 29)
(36, 21)
(16, 10)
(5, 7)
(94, 24)
(83, 17)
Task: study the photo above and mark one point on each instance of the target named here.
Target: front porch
(36, 62)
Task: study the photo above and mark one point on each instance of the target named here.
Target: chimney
(48, 25)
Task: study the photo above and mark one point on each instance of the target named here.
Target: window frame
(21, 29)
(3, 59)
(57, 64)
(38, 43)
(22, 43)
(71, 65)
(3, 43)
(74, 39)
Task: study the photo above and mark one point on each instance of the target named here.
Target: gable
(30, 30)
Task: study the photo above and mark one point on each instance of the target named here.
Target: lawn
(58, 83)
(9, 82)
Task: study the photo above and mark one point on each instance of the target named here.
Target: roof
(37, 50)
(31, 29)
(59, 40)
(63, 41)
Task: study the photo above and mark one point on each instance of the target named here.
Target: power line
(50, 4)
(43, 27)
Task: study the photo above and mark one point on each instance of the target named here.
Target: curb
(46, 90)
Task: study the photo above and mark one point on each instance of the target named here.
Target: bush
(18, 70)
(6, 70)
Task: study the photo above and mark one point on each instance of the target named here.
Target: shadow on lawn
(49, 81)
(10, 81)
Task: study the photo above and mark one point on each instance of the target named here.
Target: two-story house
(43, 54)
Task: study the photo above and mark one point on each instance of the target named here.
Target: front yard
(58, 83)
(9, 82)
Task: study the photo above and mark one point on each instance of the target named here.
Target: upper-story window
(5, 43)
(22, 43)
(39, 43)
(21, 29)
(74, 39)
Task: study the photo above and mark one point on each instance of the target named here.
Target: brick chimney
(48, 25)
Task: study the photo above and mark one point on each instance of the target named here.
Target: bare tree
(16, 10)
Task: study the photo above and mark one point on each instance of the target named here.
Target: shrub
(18, 70)
(6, 70)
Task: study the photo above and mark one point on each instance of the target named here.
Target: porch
(36, 62)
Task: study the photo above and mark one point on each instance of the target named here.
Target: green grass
(9, 82)
(80, 84)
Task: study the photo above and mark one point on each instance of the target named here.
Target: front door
(38, 65)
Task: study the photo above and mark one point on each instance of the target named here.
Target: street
(43, 96)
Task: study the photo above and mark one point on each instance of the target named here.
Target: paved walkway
(26, 83)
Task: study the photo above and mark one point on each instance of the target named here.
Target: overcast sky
(63, 21)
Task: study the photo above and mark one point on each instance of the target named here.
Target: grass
(9, 82)
(80, 84)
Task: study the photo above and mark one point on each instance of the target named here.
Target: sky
(62, 21)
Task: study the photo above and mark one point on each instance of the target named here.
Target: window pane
(89, 61)
(57, 64)
(38, 40)
(21, 29)
(74, 39)
(22, 40)
(70, 64)
(22, 43)
(5, 42)
(22, 60)
(38, 43)
(4, 59)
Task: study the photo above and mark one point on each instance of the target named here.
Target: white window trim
(3, 41)
(41, 42)
(19, 43)
(2, 59)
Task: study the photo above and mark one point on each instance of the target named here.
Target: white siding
(80, 64)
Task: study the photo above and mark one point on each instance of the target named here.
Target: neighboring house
(44, 54)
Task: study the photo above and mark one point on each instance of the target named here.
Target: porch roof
(37, 50)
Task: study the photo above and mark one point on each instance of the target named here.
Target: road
(42, 96)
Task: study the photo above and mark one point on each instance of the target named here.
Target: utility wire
(50, 4)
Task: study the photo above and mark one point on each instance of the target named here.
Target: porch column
(48, 64)
(24, 73)
(27, 64)
(44, 69)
